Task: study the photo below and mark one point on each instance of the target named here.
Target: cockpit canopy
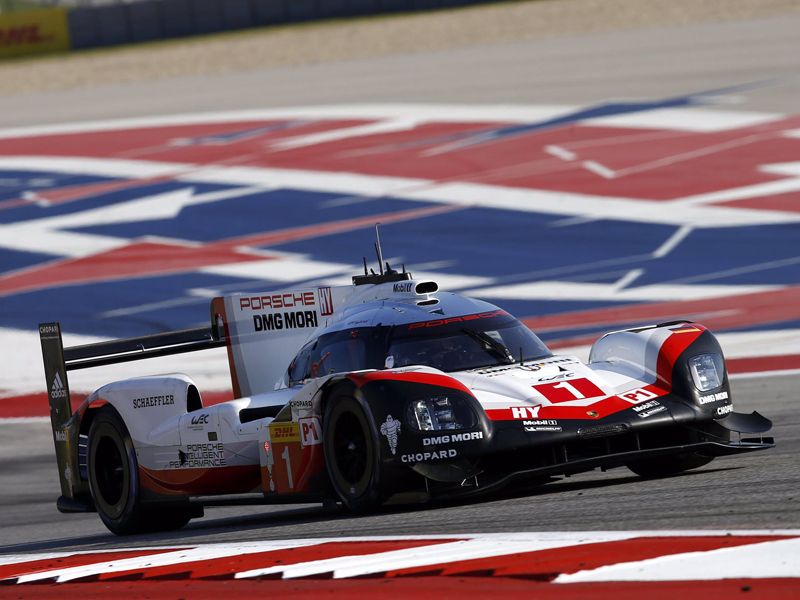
(450, 344)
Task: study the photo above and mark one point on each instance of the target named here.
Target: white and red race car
(358, 393)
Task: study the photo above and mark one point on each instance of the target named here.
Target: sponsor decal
(637, 396)
(30, 31)
(47, 329)
(453, 437)
(68, 477)
(440, 322)
(724, 410)
(61, 435)
(273, 301)
(649, 408)
(525, 412)
(647, 413)
(713, 397)
(310, 431)
(495, 371)
(200, 456)
(282, 433)
(199, 421)
(325, 297)
(555, 361)
(530, 367)
(403, 288)
(557, 376)
(300, 403)
(298, 319)
(150, 401)
(542, 425)
(426, 456)
(57, 390)
(26, 34)
(390, 429)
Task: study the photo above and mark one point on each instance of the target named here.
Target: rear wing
(59, 360)
(262, 332)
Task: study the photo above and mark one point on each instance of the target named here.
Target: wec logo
(200, 420)
(23, 35)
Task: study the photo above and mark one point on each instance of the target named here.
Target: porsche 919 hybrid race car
(359, 393)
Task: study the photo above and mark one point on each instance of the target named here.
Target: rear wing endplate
(59, 360)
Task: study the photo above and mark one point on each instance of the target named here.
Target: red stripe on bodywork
(671, 349)
(600, 409)
(237, 479)
(361, 379)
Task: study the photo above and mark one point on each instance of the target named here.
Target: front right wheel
(352, 455)
(663, 466)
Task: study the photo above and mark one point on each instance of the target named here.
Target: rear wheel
(350, 443)
(114, 481)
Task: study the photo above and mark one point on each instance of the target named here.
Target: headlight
(706, 370)
(441, 412)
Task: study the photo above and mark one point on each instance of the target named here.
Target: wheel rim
(350, 449)
(109, 471)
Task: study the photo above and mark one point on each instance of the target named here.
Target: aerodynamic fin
(55, 372)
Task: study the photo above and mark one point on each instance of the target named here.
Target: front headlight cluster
(707, 371)
(439, 413)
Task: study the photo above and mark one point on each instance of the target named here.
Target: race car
(387, 388)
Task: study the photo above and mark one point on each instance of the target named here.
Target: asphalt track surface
(756, 491)
(586, 69)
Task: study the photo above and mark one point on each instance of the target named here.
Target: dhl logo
(33, 31)
(284, 433)
(23, 35)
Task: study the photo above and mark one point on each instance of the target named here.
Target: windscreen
(463, 343)
(449, 344)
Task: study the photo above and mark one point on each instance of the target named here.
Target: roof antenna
(365, 266)
(378, 250)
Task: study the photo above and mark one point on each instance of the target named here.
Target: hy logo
(57, 390)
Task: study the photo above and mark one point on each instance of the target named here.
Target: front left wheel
(352, 455)
(114, 481)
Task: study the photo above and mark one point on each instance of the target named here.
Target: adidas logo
(57, 389)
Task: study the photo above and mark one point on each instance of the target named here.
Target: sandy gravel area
(368, 37)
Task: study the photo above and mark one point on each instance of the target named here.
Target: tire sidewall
(366, 494)
(117, 517)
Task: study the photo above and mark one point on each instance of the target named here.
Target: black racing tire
(664, 466)
(114, 481)
(668, 465)
(352, 452)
